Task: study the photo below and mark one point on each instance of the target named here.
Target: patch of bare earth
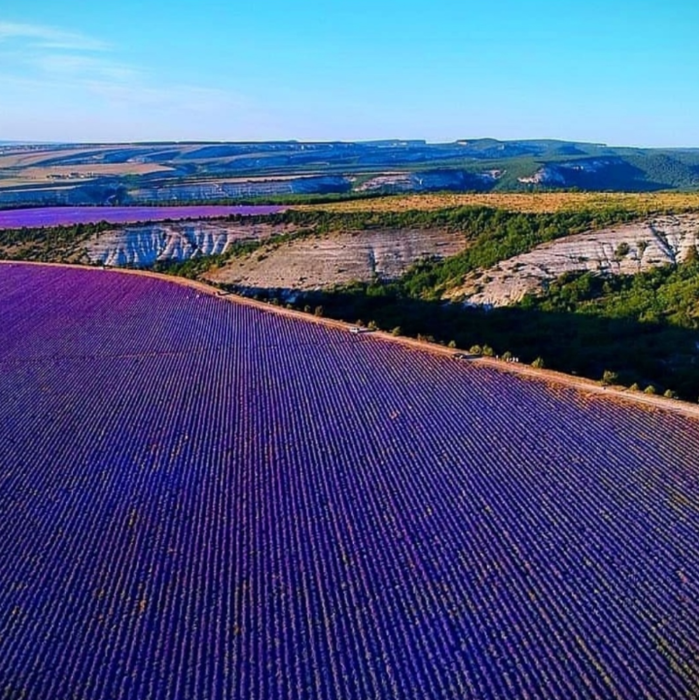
(623, 249)
(322, 261)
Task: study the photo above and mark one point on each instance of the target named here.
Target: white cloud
(78, 79)
(79, 66)
(49, 37)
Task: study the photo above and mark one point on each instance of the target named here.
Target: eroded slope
(322, 261)
(623, 249)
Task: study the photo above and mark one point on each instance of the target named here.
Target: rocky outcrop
(569, 173)
(218, 190)
(544, 176)
(141, 246)
(317, 262)
(625, 249)
(429, 181)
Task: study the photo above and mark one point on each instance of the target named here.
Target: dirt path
(586, 387)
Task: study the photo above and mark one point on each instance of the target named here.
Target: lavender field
(200, 499)
(66, 216)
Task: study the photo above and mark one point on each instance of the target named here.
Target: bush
(488, 351)
(507, 356)
(318, 311)
(452, 344)
(397, 331)
(622, 249)
(538, 363)
(609, 377)
(670, 394)
(635, 387)
(650, 389)
(476, 350)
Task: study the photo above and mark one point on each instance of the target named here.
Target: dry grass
(535, 202)
(87, 171)
(23, 158)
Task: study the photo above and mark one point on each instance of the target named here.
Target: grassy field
(93, 170)
(535, 202)
(10, 178)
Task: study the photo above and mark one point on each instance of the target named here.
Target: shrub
(318, 311)
(691, 255)
(452, 344)
(476, 350)
(635, 387)
(650, 389)
(609, 377)
(670, 394)
(538, 363)
(488, 351)
(622, 249)
(397, 331)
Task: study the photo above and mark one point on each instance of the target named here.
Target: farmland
(178, 173)
(69, 216)
(202, 499)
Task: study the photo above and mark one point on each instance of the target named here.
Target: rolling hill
(195, 172)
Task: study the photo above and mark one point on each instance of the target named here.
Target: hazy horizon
(26, 142)
(93, 73)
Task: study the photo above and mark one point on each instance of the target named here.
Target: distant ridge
(194, 172)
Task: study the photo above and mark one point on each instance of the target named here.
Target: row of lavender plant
(201, 499)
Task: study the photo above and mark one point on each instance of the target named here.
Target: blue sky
(619, 72)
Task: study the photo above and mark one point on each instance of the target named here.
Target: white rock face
(317, 262)
(544, 176)
(559, 173)
(624, 249)
(427, 181)
(254, 187)
(141, 246)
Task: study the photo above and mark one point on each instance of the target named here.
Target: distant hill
(188, 172)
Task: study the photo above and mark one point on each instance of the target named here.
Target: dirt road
(584, 386)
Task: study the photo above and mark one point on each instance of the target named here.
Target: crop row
(200, 499)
